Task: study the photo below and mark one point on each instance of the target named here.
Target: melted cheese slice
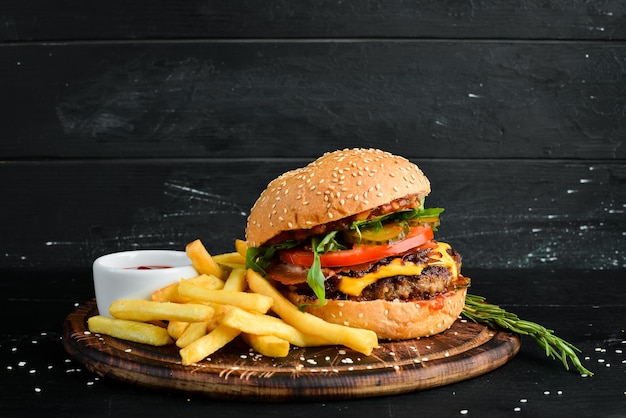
(439, 257)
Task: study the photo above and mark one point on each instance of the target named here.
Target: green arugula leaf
(315, 276)
(404, 215)
(259, 258)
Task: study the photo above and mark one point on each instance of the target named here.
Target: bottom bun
(392, 320)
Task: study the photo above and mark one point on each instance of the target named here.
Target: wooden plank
(239, 99)
(28, 20)
(70, 386)
(510, 214)
(464, 351)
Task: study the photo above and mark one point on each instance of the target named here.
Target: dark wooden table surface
(586, 308)
(149, 124)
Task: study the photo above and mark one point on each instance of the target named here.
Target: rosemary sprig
(479, 311)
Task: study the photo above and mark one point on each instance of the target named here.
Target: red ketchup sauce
(149, 267)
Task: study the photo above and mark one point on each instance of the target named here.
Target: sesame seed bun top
(336, 185)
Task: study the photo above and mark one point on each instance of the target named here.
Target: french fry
(259, 324)
(202, 314)
(363, 341)
(202, 260)
(231, 260)
(205, 280)
(220, 311)
(194, 331)
(236, 281)
(138, 332)
(207, 345)
(241, 247)
(268, 345)
(176, 328)
(147, 310)
(168, 293)
(250, 301)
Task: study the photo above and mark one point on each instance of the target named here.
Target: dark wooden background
(123, 130)
(148, 124)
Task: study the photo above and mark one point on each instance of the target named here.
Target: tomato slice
(359, 254)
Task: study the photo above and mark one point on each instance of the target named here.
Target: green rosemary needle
(478, 310)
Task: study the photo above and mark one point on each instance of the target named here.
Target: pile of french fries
(203, 314)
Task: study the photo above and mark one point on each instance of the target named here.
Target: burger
(347, 238)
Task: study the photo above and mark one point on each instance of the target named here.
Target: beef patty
(434, 280)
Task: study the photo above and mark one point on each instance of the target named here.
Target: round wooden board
(464, 351)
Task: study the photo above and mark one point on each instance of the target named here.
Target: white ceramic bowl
(116, 276)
